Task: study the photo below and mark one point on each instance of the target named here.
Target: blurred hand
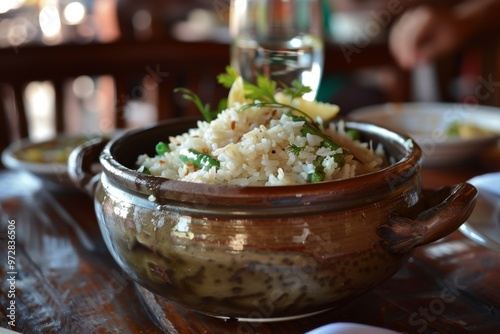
(423, 34)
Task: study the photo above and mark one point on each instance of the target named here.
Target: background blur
(359, 70)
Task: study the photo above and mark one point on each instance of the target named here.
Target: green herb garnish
(227, 79)
(297, 89)
(261, 93)
(204, 109)
(311, 128)
(295, 149)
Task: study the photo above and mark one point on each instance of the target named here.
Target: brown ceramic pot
(265, 253)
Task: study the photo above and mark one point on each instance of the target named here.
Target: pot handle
(82, 164)
(448, 208)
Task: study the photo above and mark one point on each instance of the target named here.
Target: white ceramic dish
(483, 225)
(427, 124)
(46, 159)
(350, 328)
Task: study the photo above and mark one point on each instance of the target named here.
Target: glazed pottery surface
(265, 253)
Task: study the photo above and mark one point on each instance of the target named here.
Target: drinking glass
(281, 39)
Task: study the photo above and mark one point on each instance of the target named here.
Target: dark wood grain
(67, 282)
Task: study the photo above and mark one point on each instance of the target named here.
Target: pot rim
(379, 184)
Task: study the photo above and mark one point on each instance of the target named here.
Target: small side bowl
(47, 159)
(427, 124)
(36, 158)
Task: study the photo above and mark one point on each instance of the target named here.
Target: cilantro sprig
(297, 89)
(262, 94)
(227, 79)
(295, 149)
(191, 96)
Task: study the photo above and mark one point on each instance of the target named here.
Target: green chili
(339, 159)
(310, 128)
(198, 159)
(313, 129)
(161, 148)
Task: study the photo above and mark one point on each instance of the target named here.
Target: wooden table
(65, 281)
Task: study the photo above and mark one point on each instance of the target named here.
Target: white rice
(252, 146)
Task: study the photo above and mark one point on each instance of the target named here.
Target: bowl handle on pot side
(447, 209)
(82, 162)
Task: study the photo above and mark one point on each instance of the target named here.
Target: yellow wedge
(236, 93)
(314, 109)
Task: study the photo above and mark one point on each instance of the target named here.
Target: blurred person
(423, 33)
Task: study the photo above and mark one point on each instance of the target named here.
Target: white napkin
(488, 186)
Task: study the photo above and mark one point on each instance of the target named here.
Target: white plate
(350, 328)
(52, 165)
(427, 123)
(483, 225)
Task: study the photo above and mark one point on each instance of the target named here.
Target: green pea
(316, 177)
(161, 148)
